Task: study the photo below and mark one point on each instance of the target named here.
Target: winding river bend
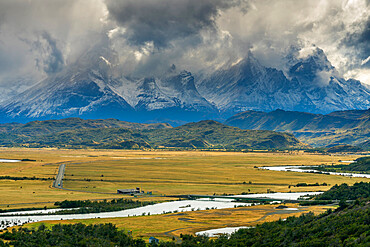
(311, 169)
(160, 208)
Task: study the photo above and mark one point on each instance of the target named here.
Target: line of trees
(24, 178)
(87, 206)
(362, 165)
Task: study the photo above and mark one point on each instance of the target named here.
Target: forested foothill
(74, 133)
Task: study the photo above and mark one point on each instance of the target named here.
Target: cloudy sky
(42, 37)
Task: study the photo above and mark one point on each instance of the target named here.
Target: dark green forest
(346, 192)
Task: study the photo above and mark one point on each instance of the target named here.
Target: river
(8, 161)
(160, 208)
(299, 169)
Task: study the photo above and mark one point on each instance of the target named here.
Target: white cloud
(40, 36)
(365, 61)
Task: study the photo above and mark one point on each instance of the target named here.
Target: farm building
(129, 191)
(153, 240)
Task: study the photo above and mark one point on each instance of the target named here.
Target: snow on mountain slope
(66, 95)
(84, 91)
(173, 90)
(326, 89)
(249, 85)
(313, 86)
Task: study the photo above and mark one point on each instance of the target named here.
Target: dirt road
(58, 183)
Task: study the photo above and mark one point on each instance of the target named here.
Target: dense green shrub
(71, 235)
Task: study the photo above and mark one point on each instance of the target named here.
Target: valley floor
(97, 174)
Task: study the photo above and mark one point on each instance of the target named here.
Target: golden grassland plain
(162, 172)
(167, 226)
(97, 174)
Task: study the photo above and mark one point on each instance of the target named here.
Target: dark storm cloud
(360, 42)
(52, 56)
(162, 21)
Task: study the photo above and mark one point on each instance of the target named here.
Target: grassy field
(38, 193)
(167, 226)
(166, 173)
(162, 172)
(97, 174)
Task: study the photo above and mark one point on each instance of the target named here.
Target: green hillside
(214, 134)
(343, 127)
(53, 126)
(343, 149)
(205, 134)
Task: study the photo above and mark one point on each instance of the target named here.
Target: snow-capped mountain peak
(92, 87)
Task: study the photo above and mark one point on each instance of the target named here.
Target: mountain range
(92, 88)
(340, 127)
(311, 84)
